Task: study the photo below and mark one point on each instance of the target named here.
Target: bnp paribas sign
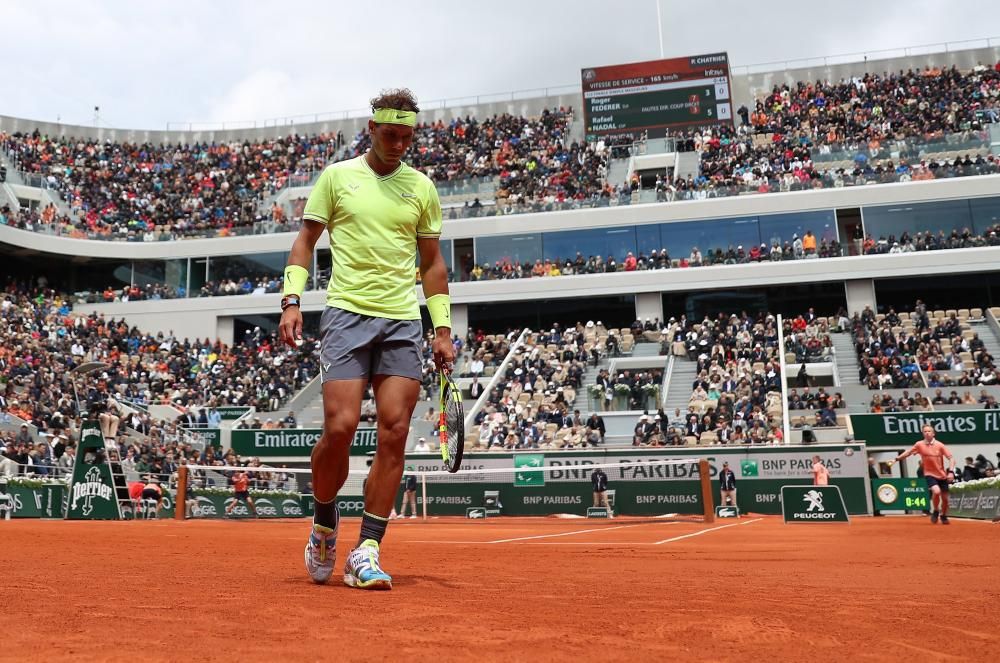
(292, 442)
(903, 429)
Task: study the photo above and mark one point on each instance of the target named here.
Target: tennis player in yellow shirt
(379, 213)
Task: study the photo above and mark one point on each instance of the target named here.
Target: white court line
(705, 531)
(542, 543)
(578, 531)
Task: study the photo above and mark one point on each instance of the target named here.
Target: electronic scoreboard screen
(653, 96)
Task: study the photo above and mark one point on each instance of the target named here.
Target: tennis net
(537, 485)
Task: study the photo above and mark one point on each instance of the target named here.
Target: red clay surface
(504, 589)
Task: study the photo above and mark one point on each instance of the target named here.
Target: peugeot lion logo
(815, 500)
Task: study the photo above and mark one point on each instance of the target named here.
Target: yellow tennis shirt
(374, 222)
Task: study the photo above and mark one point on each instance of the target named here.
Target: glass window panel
(605, 242)
(782, 227)
(711, 235)
(647, 238)
(886, 220)
(252, 272)
(251, 265)
(511, 248)
(985, 213)
(172, 274)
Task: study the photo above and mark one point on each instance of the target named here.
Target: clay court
(504, 589)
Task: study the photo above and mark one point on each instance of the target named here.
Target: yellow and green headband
(393, 116)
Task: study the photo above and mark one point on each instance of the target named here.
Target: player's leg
(944, 499)
(395, 397)
(396, 369)
(597, 499)
(253, 507)
(330, 464)
(935, 501)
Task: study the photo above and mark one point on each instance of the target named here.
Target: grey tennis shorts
(356, 346)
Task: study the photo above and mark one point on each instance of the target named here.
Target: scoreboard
(656, 95)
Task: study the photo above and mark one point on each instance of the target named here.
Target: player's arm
(434, 279)
(434, 276)
(317, 214)
(950, 457)
(906, 454)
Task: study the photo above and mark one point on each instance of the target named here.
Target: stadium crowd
(736, 393)
(867, 120)
(44, 341)
(893, 350)
(912, 125)
(532, 406)
(134, 192)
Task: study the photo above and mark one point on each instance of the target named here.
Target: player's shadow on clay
(414, 580)
(398, 581)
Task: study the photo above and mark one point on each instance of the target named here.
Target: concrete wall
(860, 293)
(648, 305)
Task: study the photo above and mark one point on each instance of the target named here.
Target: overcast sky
(149, 63)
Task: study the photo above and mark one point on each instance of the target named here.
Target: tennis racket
(451, 422)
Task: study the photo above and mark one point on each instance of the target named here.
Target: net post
(180, 499)
(423, 494)
(704, 475)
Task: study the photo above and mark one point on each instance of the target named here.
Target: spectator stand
(725, 382)
(496, 376)
(972, 386)
(540, 402)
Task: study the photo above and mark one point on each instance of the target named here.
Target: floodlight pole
(659, 26)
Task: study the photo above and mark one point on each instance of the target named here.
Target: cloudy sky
(146, 64)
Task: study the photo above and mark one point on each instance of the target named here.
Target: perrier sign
(92, 491)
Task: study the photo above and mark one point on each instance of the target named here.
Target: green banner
(813, 504)
(231, 412)
(212, 504)
(981, 503)
(31, 501)
(293, 442)
(92, 492)
(641, 489)
(212, 436)
(523, 466)
(903, 429)
(900, 494)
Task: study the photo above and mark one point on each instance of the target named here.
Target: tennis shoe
(321, 551)
(944, 520)
(934, 517)
(363, 569)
